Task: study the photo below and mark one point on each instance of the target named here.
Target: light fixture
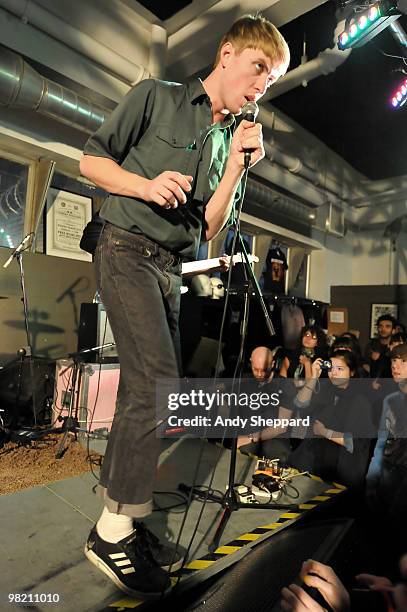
(362, 26)
(399, 97)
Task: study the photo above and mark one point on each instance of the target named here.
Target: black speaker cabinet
(26, 390)
(94, 330)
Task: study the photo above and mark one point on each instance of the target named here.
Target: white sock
(113, 527)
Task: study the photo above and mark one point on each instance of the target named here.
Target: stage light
(362, 26)
(399, 97)
(363, 21)
(344, 38)
(374, 13)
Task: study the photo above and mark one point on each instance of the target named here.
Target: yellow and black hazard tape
(214, 561)
(264, 531)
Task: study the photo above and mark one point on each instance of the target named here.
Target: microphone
(18, 249)
(249, 112)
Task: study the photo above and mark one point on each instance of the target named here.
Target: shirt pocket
(176, 150)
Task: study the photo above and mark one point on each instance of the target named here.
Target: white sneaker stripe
(121, 563)
(128, 570)
(118, 555)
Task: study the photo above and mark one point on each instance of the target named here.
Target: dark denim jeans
(139, 283)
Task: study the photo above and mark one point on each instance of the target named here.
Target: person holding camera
(337, 446)
(297, 363)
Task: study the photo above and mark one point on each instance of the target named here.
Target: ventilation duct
(269, 199)
(22, 87)
(45, 21)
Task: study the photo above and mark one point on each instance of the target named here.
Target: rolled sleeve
(123, 128)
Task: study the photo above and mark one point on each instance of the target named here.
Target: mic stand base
(230, 504)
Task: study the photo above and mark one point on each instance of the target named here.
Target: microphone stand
(27, 350)
(229, 500)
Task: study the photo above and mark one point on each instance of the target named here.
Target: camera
(326, 365)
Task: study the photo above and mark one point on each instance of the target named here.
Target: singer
(171, 160)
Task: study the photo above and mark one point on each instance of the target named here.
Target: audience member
(399, 328)
(377, 350)
(396, 339)
(312, 344)
(341, 424)
(267, 443)
(349, 342)
(377, 593)
(387, 475)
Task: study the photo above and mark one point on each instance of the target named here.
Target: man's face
(399, 370)
(262, 363)
(385, 329)
(246, 76)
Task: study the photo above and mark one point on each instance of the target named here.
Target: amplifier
(94, 330)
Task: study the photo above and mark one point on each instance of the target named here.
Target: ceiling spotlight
(362, 26)
(399, 97)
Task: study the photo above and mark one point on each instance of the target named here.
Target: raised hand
(168, 189)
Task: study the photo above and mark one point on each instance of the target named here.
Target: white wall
(376, 261)
(332, 265)
(364, 258)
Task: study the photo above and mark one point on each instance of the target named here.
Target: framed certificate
(67, 215)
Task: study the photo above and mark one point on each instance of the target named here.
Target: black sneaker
(129, 564)
(168, 556)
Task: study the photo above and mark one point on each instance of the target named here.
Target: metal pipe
(23, 87)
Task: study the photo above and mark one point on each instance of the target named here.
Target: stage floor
(43, 529)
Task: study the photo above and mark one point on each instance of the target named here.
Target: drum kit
(27, 382)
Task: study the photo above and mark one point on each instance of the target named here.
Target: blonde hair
(256, 32)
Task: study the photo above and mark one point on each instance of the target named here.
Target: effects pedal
(245, 494)
(267, 480)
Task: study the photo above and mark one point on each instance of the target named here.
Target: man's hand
(168, 189)
(374, 356)
(375, 583)
(323, 578)
(224, 263)
(248, 136)
(295, 599)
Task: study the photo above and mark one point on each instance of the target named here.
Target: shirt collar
(196, 92)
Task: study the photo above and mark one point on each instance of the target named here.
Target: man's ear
(226, 53)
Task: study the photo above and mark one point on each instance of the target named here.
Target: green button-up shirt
(165, 126)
